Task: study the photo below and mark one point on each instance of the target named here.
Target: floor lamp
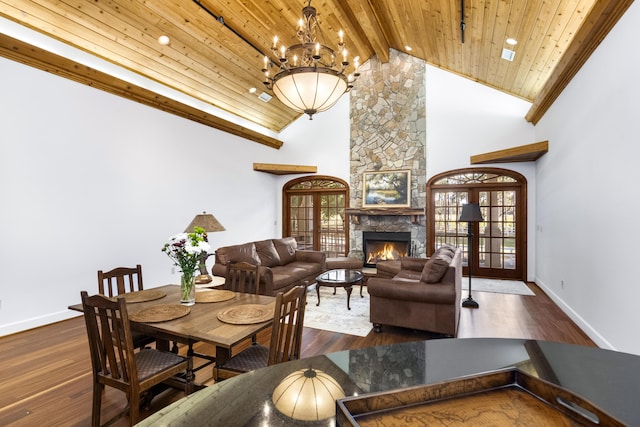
(470, 213)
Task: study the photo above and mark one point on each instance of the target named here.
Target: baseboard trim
(35, 322)
(582, 324)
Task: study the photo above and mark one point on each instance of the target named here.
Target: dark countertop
(610, 380)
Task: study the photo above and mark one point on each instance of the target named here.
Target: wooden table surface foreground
(202, 323)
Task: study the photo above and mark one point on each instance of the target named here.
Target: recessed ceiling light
(511, 41)
(252, 90)
(408, 48)
(164, 40)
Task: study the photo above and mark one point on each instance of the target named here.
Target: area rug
(499, 286)
(332, 314)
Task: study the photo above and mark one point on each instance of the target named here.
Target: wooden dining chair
(119, 281)
(242, 277)
(115, 364)
(286, 338)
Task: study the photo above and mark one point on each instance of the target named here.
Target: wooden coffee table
(341, 277)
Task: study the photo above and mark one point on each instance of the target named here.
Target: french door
(314, 213)
(499, 242)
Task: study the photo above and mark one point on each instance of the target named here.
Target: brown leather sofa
(281, 265)
(416, 297)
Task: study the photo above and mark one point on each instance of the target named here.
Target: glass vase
(188, 289)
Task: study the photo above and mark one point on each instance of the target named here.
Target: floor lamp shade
(470, 213)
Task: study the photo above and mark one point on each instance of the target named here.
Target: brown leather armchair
(408, 300)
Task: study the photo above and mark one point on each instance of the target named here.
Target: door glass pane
(332, 225)
(448, 205)
(301, 220)
(498, 231)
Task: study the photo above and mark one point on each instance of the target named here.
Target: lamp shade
(206, 221)
(307, 395)
(309, 90)
(471, 213)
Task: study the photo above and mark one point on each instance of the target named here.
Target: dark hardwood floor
(45, 374)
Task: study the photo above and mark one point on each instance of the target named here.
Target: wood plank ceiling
(216, 48)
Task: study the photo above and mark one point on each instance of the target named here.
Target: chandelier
(310, 76)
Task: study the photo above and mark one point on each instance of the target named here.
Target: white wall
(465, 118)
(90, 181)
(587, 233)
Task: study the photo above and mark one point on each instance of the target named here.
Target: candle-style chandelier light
(310, 75)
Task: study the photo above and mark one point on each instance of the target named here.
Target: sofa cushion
(284, 275)
(267, 253)
(286, 249)
(243, 253)
(434, 269)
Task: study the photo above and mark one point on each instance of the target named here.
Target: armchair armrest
(411, 290)
(411, 263)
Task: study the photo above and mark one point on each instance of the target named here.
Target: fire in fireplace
(384, 245)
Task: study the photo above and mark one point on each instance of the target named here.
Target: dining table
(199, 322)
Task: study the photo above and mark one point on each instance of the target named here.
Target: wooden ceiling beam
(602, 17)
(363, 16)
(36, 57)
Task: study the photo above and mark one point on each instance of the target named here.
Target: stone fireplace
(388, 132)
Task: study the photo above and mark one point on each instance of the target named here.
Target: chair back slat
(120, 280)
(288, 322)
(242, 277)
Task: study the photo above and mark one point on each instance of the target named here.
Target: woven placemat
(246, 314)
(142, 296)
(214, 295)
(160, 313)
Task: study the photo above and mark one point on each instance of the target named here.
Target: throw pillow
(267, 253)
(434, 270)
(444, 255)
(286, 249)
(446, 248)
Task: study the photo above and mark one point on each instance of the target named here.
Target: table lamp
(470, 213)
(210, 224)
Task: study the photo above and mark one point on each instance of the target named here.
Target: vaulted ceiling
(217, 46)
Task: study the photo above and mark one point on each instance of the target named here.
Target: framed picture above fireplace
(391, 188)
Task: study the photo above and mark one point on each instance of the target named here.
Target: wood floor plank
(45, 374)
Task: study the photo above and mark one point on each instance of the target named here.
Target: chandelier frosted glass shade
(307, 395)
(309, 90)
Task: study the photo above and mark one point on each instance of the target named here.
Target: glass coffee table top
(340, 277)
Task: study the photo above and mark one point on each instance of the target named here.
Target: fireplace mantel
(356, 213)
